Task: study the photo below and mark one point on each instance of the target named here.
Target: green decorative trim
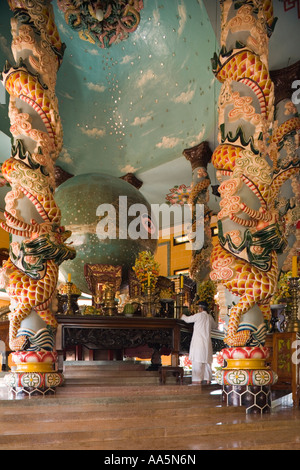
(48, 246)
(229, 137)
(19, 153)
(271, 238)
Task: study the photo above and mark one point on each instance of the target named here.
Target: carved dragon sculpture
(251, 166)
(32, 217)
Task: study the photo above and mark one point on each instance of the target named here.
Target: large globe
(110, 222)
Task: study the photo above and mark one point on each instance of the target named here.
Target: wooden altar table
(118, 332)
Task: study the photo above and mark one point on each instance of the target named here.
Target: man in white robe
(2, 356)
(201, 352)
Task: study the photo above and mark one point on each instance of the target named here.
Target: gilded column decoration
(251, 171)
(199, 157)
(32, 216)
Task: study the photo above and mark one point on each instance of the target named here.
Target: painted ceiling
(134, 107)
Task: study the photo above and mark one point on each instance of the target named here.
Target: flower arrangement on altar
(146, 270)
(206, 292)
(283, 295)
(65, 289)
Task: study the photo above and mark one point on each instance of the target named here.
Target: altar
(120, 332)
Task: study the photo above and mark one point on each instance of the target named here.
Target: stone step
(132, 412)
(112, 373)
(108, 373)
(97, 432)
(113, 380)
(102, 421)
(271, 441)
(110, 378)
(116, 414)
(115, 402)
(154, 418)
(272, 438)
(105, 365)
(87, 397)
(116, 380)
(118, 406)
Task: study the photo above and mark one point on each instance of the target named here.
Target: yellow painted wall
(175, 257)
(172, 257)
(180, 257)
(161, 256)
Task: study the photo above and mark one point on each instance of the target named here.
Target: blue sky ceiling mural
(134, 107)
(131, 100)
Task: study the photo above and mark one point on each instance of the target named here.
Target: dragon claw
(19, 344)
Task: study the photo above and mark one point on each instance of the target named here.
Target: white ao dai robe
(201, 346)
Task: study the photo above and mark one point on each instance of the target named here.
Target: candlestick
(69, 277)
(181, 281)
(149, 301)
(295, 266)
(69, 310)
(178, 311)
(110, 302)
(293, 325)
(98, 297)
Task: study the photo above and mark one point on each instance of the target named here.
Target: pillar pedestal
(33, 374)
(246, 379)
(256, 399)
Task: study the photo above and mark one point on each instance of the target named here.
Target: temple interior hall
(149, 227)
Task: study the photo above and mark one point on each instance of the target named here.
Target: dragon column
(37, 245)
(251, 170)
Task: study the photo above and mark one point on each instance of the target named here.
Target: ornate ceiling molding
(133, 180)
(199, 155)
(289, 4)
(102, 22)
(61, 175)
